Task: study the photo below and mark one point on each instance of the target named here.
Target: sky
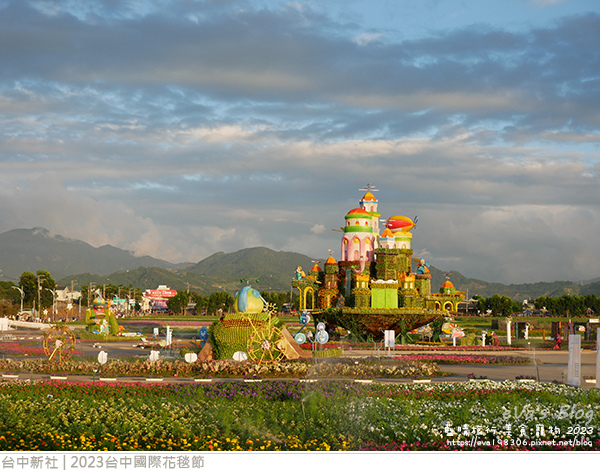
(178, 129)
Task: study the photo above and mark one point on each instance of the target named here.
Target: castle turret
(358, 241)
(329, 292)
(369, 203)
(387, 239)
(447, 288)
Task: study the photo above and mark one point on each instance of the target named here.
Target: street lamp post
(53, 292)
(22, 296)
(89, 296)
(39, 278)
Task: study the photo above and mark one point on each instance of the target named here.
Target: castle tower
(330, 280)
(329, 292)
(316, 274)
(358, 240)
(369, 203)
(387, 239)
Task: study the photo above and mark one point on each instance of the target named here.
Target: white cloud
(256, 126)
(366, 38)
(318, 229)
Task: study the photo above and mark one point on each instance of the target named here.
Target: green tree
(28, 282)
(46, 284)
(179, 302)
(220, 300)
(592, 302)
(200, 301)
(7, 292)
(499, 305)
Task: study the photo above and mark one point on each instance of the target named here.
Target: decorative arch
(304, 297)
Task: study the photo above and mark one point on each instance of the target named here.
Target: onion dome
(316, 268)
(331, 260)
(387, 233)
(447, 288)
(369, 197)
(358, 213)
(369, 203)
(359, 220)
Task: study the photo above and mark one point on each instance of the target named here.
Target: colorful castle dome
(447, 288)
(369, 197)
(359, 220)
(358, 213)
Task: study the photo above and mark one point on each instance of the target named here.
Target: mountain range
(70, 260)
(34, 249)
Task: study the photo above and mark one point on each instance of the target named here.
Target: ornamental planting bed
(407, 365)
(467, 359)
(338, 367)
(293, 415)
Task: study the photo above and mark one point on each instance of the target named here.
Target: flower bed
(294, 415)
(418, 347)
(19, 349)
(466, 359)
(335, 367)
(413, 347)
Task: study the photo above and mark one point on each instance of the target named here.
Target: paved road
(547, 365)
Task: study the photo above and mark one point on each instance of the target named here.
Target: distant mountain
(263, 268)
(74, 260)
(34, 249)
(272, 269)
(517, 292)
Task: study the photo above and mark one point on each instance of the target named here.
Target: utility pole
(39, 278)
(89, 299)
(73, 294)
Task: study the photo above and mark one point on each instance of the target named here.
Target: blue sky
(177, 129)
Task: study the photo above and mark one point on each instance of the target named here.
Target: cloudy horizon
(178, 129)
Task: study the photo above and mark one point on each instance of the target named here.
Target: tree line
(217, 302)
(38, 291)
(570, 305)
(564, 306)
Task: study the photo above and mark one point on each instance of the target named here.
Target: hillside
(74, 260)
(273, 269)
(221, 271)
(519, 292)
(34, 249)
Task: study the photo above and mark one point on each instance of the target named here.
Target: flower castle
(373, 287)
